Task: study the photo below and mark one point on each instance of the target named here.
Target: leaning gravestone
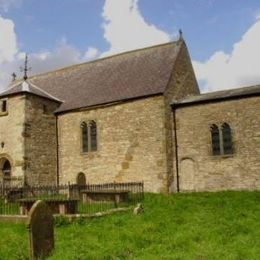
(41, 235)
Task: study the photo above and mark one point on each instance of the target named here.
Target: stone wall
(199, 170)
(11, 139)
(131, 144)
(39, 131)
(182, 84)
(139, 141)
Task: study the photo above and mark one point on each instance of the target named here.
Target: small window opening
(4, 106)
(44, 109)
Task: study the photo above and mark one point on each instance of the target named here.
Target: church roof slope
(219, 95)
(120, 77)
(27, 87)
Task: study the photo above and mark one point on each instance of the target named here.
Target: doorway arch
(81, 179)
(5, 171)
(187, 174)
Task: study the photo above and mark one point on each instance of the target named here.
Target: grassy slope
(222, 225)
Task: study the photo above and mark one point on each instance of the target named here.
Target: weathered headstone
(41, 234)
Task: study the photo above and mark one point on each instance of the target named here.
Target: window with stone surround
(88, 136)
(93, 135)
(227, 139)
(221, 140)
(215, 138)
(84, 137)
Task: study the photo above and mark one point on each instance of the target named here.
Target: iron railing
(70, 198)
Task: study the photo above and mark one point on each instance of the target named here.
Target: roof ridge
(101, 59)
(230, 89)
(44, 92)
(11, 87)
(28, 87)
(220, 94)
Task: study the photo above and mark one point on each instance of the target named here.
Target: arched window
(215, 140)
(84, 137)
(89, 136)
(93, 135)
(227, 139)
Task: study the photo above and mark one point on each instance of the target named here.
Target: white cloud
(8, 46)
(125, 28)
(8, 49)
(63, 55)
(6, 4)
(91, 53)
(257, 15)
(238, 68)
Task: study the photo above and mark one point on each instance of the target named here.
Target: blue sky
(222, 35)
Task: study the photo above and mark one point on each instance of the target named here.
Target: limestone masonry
(135, 116)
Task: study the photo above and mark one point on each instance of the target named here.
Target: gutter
(57, 152)
(176, 147)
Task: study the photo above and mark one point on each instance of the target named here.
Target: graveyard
(221, 225)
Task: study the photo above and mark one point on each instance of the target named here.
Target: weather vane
(14, 76)
(180, 34)
(25, 69)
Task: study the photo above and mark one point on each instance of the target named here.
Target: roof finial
(25, 69)
(14, 76)
(180, 35)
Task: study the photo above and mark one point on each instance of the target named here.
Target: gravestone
(139, 209)
(41, 234)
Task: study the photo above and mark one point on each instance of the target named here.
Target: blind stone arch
(5, 171)
(81, 179)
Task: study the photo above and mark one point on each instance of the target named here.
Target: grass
(224, 225)
(83, 208)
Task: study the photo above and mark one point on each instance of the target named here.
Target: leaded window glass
(93, 135)
(227, 139)
(215, 140)
(89, 136)
(84, 137)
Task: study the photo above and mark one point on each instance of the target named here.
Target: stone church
(135, 116)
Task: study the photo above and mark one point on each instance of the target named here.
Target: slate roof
(125, 76)
(219, 96)
(27, 87)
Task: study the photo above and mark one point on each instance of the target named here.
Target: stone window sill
(4, 113)
(91, 153)
(223, 156)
